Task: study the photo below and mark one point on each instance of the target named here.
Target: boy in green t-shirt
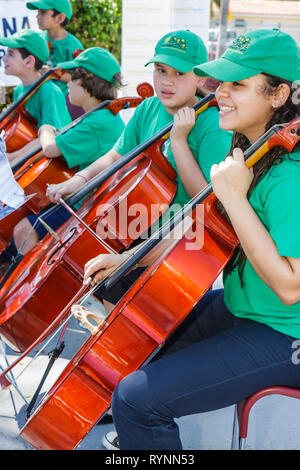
(194, 144)
(27, 52)
(95, 78)
(52, 17)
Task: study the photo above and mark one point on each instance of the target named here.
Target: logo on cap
(175, 43)
(240, 44)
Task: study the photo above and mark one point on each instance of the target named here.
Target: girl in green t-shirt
(239, 339)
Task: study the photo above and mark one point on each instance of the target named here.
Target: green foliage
(98, 23)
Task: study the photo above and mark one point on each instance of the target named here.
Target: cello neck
(286, 135)
(115, 106)
(25, 97)
(200, 106)
(38, 148)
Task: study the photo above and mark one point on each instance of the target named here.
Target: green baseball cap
(263, 50)
(63, 6)
(97, 60)
(181, 50)
(30, 40)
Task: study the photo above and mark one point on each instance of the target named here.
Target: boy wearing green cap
(195, 144)
(25, 56)
(240, 339)
(52, 17)
(96, 77)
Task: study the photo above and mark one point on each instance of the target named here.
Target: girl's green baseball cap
(181, 50)
(96, 60)
(63, 6)
(30, 40)
(259, 51)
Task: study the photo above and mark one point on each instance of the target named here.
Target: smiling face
(244, 107)
(175, 89)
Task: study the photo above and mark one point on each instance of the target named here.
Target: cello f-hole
(72, 231)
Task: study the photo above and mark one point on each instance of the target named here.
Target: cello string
(187, 208)
(93, 233)
(165, 130)
(163, 133)
(189, 205)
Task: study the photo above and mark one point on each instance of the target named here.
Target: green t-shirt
(208, 143)
(47, 105)
(94, 136)
(61, 51)
(275, 201)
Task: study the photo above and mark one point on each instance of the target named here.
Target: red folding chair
(242, 411)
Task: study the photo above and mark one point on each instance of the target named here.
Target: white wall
(145, 22)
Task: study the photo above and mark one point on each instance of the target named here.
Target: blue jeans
(213, 360)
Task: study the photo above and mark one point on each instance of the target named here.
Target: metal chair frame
(242, 412)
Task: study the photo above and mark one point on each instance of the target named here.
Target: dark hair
(65, 22)
(287, 112)
(25, 53)
(96, 86)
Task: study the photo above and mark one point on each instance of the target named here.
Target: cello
(142, 320)
(17, 125)
(145, 178)
(36, 170)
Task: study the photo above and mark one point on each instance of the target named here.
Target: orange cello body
(39, 171)
(27, 303)
(18, 126)
(19, 129)
(139, 325)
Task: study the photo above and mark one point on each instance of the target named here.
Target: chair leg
(237, 442)
(242, 443)
(235, 430)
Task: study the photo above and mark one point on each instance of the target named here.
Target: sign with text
(14, 16)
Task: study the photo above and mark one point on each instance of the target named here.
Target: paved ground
(274, 422)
